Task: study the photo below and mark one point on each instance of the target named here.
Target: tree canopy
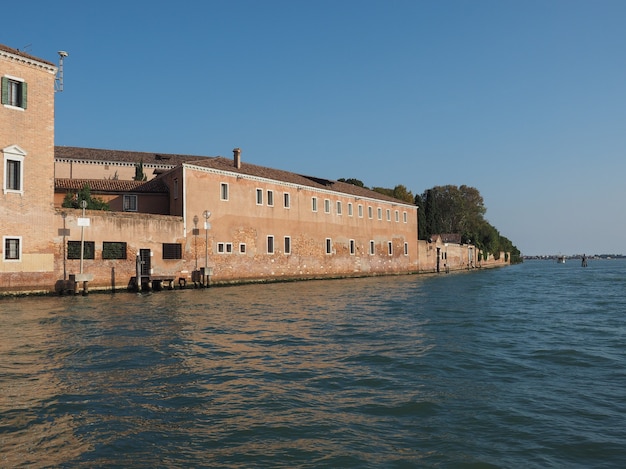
(72, 200)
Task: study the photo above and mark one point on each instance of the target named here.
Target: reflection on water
(354, 373)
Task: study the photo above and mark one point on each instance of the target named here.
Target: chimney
(237, 157)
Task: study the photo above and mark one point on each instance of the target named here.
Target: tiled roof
(96, 154)
(10, 50)
(111, 185)
(227, 164)
(454, 238)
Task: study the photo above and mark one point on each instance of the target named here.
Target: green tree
(353, 181)
(139, 174)
(72, 200)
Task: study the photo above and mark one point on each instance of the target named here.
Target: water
(523, 366)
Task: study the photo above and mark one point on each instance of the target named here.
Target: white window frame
(326, 205)
(380, 213)
(352, 245)
(314, 204)
(350, 209)
(271, 247)
(242, 248)
(19, 248)
(229, 248)
(21, 83)
(397, 215)
(13, 153)
(405, 217)
(372, 247)
(388, 215)
(360, 210)
(270, 198)
(370, 212)
(259, 196)
(329, 246)
(339, 208)
(406, 249)
(390, 248)
(224, 191)
(287, 245)
(286, 200)
(221, 248)
(130, 203)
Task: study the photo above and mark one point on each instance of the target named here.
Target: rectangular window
(73, 250)
(404, 217)
(12, 248)
(130, 203)
(113, 250)
(175, 188)
(352, 247)
(397, 214)
(14, 92)
(270, 244)
(224, 191)
(242, 248)
(350, 209)
(314, 203)
(390, 248)
(259, 196)
(287, 245)
(372, 248)
(270, 198)
(172, 251)
(339, 208)
(329, 246)
(220, 248)
(286, 200)
(360, 211)
(229, 248)
(406, 249)
(388, 215)
(326, 205)
(14, 175)
(380, 213)
(370, 212)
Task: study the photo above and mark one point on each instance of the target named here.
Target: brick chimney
(237, 157)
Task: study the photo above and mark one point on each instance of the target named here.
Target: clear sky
(524, 100)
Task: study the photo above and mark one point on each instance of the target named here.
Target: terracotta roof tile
(111, 185)
(96, 154)
(10, 50)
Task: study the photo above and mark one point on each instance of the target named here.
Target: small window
(286, 200)
(380, 213)
(242, 248)
(229, 248)
(73, 250)
(113, 250)
(406, 249)
(259, 196)
(14, 92)
(370, 212)
(397, 215)
(326, 205)
(314, 203)
(404, 217)
(270, 244)
(388, 215)
(287, 245)
(329, 246)
(220, 248)
(360, 211)
(352, 247)
(175, 188)
(270, 198)
(339, 208)
(130, 203)
(224, 191)
(12, 248)
(13, 169)
(350, 209)
(172, 251)
(390, 248)
(372, 248)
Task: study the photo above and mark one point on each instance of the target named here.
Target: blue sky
(524, 100)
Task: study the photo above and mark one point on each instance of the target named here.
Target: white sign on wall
(83, 221)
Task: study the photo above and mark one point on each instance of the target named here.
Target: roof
(122, 156)
(110, 185)
(18, 52)
(454, 238)
(227, 164)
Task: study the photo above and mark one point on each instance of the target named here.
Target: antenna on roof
(58, 82)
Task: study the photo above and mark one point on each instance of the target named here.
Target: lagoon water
(523, 366)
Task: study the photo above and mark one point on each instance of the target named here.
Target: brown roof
(122, 156)
(110, 185)
(227, 164)
(10, 50)
(454, 238)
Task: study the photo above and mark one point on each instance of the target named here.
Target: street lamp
(196, 232)
(206, 214)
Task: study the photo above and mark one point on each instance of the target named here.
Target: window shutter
(5, 90)
(23, 95)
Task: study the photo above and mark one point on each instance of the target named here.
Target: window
(372, 248)
(350, 209)
(224, 191)
(14, 92)
(270, 244)
(220, 248)
(12, 248)
(13, 169)
(286, 200)
(314, 203)
(406, 249)
(270, 198)
(388, 215)
(287, 244)
(229, 248)
(390, 248)
(242, 248)
(326, 205)
(339, 208)
(259, 196)
(130, 203)
(172, 251)
(175, 188)
(73, 250)
(404, 217)
(360, 211)
(380, 213)
(224, 248)
(113, 250)
(397, 214)
(329, 246)
(370, 212)
(352, 247)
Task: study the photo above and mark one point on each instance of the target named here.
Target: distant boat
(561, 259)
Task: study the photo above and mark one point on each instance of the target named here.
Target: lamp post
(64, 216)
(195, 237)
(206, 214)
(83, 204)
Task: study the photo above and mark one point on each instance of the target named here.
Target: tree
(353, 181)
(93, 203)
(139, 174)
